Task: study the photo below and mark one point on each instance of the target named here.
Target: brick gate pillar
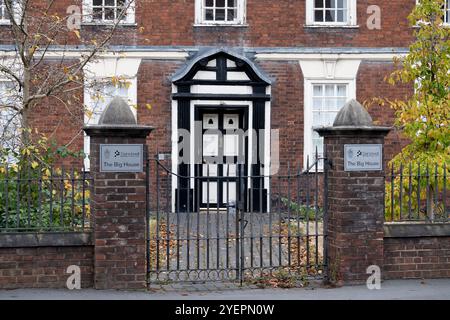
(117, 162)
(356, 187)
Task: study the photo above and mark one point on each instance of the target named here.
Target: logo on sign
(107, 154)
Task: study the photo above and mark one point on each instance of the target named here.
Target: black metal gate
(275, 225)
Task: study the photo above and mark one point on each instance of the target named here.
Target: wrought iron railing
(45, 200)
(417, 192)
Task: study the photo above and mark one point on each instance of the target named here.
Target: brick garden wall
(413, 255)
(25, 264)
(417, 258)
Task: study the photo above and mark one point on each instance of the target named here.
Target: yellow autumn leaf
(148, 106)
(77, 33)
(34, 164)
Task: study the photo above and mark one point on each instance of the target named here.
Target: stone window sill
(330, 26)
(221, 25)
(106, 24)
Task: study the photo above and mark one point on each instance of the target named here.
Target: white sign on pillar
(121, 157)
(363, 157)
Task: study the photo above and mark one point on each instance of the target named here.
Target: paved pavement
(390, 290)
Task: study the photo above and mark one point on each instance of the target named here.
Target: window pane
(230, 14)
(97, 13)
(329, 4)
(317, 119)
(330, 16)
(231, 3)
(341, 90)
(329, 90)
(318, 4)
(6, 93)
(330, 104)
(341, 4)
(109, 13)
(318, 90)
(220, 15)
(340, 16)
(97, 2)
(447, 12)
(317, 104)
(109, 3)
(209, 3)
(209, 14)
(341, 103)
(318, 16)
(220, 3)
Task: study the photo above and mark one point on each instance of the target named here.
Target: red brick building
(285, 65)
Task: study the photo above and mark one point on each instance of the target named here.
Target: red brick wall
(44, 267)
(270, 24)
(155, 88)
(287, 110)
(416, 258)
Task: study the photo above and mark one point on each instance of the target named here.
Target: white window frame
(351, 15)
(240, 15)
(447, 9)
(3, 11)
(88, 17)
(308, 114)
(2, 114)
(16, 9)
(447, 13)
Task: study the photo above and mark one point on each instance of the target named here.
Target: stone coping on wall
(47, 239)
(416, 229)
(353, 131)
(127, 131)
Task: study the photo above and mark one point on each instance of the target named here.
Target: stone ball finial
(353, 114)
(117, 113)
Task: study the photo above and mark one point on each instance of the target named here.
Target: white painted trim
(268, 144)
(183, 55)
(154, 55)
(330, 69)
(174, 140)
(221, 89)
(319, 56)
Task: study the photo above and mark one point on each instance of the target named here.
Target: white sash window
(214, 12)
(331, 12)
(109, 11)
